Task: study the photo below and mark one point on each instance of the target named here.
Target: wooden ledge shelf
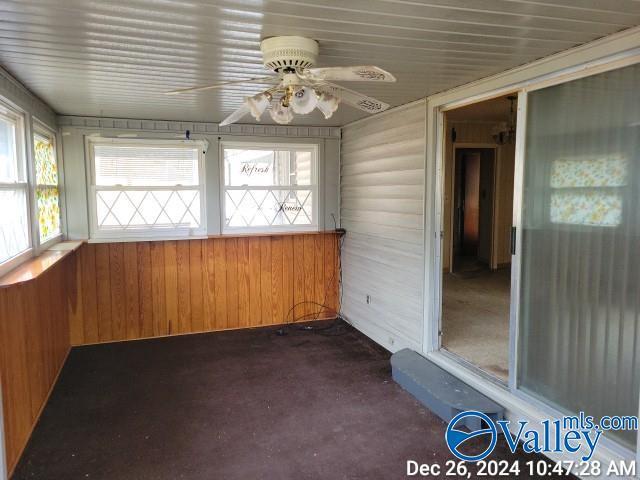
(213, 236)
(36, 266)
(272, 234)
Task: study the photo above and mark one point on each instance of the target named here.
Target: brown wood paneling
(171, 285)
(243, 282)
(145, 289)
(210, 285)
(287, 275)
(87, 293)
(265, 281)
(298, 280)
(277, 298)
(309, 256)
(187, 286)
(184, 289)
(132, 293)
(255, 298)
(76, 310)
(231, 261)
(35, 338)
(196, 272)
(103, 291)
(220, 291)
(118, 305)
(158, 291)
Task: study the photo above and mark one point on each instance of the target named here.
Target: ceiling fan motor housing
(289, 52)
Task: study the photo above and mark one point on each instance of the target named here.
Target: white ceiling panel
(114, 58)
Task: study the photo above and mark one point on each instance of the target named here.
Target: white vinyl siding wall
(382, 195)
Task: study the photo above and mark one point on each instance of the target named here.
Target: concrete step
(438, 390)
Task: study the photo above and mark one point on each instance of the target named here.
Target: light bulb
(258, 104)
(304, 100)
(328, 104)
(280, 113)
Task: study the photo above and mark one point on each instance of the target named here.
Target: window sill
(36, 266)
(204, 237)
(275, 233)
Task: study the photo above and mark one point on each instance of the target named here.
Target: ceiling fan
(297, 87)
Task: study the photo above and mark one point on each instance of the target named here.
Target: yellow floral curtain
(47, 191)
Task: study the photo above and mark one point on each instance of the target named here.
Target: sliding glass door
(579, 303)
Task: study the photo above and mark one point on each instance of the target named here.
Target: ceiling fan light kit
(281, 114)
(304, 100)
(258, 104)
(300, 88)
(327, 104)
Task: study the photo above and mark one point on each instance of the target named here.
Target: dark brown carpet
(243, 405)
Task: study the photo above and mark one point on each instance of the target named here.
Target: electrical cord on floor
(323, 307)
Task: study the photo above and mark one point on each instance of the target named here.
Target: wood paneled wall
(34, 342)
(148, 289)
(123, 291)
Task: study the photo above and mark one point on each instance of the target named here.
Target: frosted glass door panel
(579, 337)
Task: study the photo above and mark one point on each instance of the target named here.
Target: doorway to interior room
(478, 212)
(473, 208)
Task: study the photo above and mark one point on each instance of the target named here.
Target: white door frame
(606, 54)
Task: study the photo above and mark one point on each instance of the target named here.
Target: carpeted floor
(475, 318)
(245, 404)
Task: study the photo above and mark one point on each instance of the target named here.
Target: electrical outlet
(368, 299)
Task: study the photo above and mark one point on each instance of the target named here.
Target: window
(588, 191)
(47, 191)
(269, 187)
(14, 214)
(146, 188)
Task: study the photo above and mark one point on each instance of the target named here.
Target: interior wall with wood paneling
(138, 290)
(34, 342)
(480, 133)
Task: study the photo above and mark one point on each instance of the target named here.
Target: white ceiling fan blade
(237, 115)
(355, 99)
(360, 73)
(270, 79)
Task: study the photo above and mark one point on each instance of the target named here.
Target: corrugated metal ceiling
(115, 57)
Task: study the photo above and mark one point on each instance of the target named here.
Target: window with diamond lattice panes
(147, 189)
(269, 188)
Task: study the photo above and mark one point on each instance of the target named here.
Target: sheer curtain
(579, 337)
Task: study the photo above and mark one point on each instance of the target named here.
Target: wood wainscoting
(34, 342)
(137, 290)
(106, 292)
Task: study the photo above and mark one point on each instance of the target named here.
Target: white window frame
(281, 146)
(19, 118)
(39, 128)
(95, 235)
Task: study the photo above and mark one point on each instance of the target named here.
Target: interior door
(471, 162)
